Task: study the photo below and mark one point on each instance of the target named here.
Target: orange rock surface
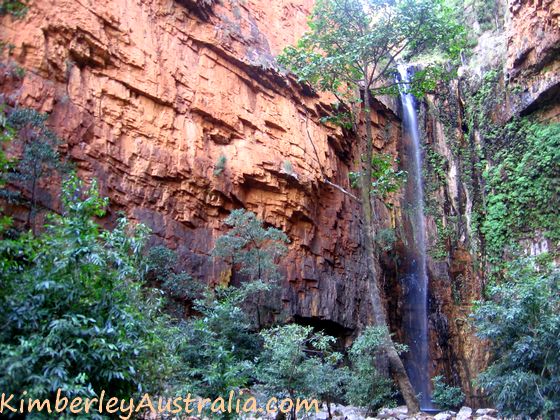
(149, 95)
(533, 55)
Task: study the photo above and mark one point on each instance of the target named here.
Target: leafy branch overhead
(357, 44)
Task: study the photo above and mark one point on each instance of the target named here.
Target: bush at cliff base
(73, 311)
(522, 324)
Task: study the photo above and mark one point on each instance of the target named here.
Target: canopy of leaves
(366, 387)
(446, 396)
(522, 325)
(295, 361)
(218, 346)
(38, 144)
(357, 43)
(385, 178)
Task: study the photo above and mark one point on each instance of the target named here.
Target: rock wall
(149, 96)
(525, 50)
(533, 57)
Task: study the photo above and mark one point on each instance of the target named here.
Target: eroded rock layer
(176, 108)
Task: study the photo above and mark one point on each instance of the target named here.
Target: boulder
(464, 413)
(445, 415)
(486, 412)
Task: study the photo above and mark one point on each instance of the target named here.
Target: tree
(295, 361)
(73, 310)
(252, 249)
(351, 50)
(6, 164)
(365, 386)
(218, 346)
(39, 155)
(250, 246)
(521, 323)
(179, 287)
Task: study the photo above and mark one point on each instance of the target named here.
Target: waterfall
(415, 284)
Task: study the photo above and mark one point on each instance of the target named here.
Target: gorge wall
(177, 107)
(150, 96)
(513, 72)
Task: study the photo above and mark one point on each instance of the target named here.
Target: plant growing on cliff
(6, 164)
(523, 188)
(446, 396)
(16, 8)
(521, 322)
(220, 165)
(351, 50)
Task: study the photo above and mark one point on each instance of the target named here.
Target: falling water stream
(415, 284)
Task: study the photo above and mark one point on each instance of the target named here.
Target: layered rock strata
(176, 107)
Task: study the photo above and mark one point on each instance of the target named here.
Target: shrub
(366, 387)
(220, 165)
(445, 396)
(73, 311)
(522, 324)
(250, 246)
(218, 346)
(298, 363)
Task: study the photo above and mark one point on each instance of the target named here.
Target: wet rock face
(176, 108)
(451, 189)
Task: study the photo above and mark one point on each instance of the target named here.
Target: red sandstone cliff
(149, 95)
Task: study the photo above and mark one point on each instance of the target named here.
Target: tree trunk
(395, 362)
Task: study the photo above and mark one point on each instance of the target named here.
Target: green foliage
(340, 118)
(17, 71)
(220, 165)
(161, 265)
(39, 155)
(386, 239)
(6, 164)
(73, 311)
(522, 324)
(444, 233)
(218, 345)
(350, 41)
(445, 396)
(297, 362)
(250, 246)
(16, 8)
(385, 178)
(366, 387)
(486, 13)
(437, 165)
(522, 186)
